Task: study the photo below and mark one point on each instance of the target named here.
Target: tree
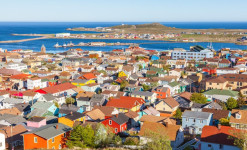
(224, 121)
(145, 87)
(198, 98)
(157, 141)
(69, 100)
(178, 114)
(166, 68)
(56, 104)
(223, 105)
(81, 137)
(240, 100)
(123, 85)
(240, 138)
(131, 141)
(231, 103)
(140, 67)
(75, 138)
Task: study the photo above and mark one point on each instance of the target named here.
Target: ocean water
(9, 28)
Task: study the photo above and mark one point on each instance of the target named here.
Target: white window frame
(53, 140)
(35, 139)
(110, 122)
(116, 130)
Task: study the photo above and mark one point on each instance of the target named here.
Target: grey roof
(12, 119)
(37, 112)
(198, 115)
(49, 131)
(122, 118)
(66, 109)
(97, 98)
(197, 105)
(13, 100)
(79, 81)
(42, 105)
(145, 93)
(23, 107)
(213, 105)
(49, 97)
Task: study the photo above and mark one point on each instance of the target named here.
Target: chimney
(219, 126)
(166, 124)
(56, 126)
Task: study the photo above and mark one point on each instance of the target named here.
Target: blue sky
(123, 10)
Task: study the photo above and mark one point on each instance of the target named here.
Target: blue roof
(154, 57)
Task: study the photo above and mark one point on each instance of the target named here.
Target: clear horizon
(123, 11)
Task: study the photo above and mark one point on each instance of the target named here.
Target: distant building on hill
(43, 49)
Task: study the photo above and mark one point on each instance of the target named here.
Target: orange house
(162, 92)
(52, 136)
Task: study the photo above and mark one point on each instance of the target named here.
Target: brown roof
(96, 114)
(219, 79)
(217, 114)
(170, 130)
(235, 77)
(13, 111)
(105, 109)
(85, 94)
(242, 120)
(13, 133)
(171, 102)
(185, 95)
(132, 114)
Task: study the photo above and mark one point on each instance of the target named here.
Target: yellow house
(122, 74)
(71, 118)
(81, 82)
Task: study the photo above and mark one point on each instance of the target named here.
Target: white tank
(2, 141)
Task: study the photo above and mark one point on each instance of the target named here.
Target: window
(64, 135)
(210, 83)
(201, 121)
(209, 145)
(53, 140)
(115, 130)
(35, 140)
(110, 122)
(194, 120)
(187, 119)
(53, 147)
(1, 144)
(60, 146)
(200, 129)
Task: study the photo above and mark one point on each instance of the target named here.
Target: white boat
(56, 45)
(64, 45)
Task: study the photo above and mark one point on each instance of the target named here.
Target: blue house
(193, 122)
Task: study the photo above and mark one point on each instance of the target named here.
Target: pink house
(36, 122)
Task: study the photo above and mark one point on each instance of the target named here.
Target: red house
(162, 92)
(118, 123)
(209, 70)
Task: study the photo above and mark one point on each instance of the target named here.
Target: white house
(62, 35)
(33, 83)
(190, 55)
(221, 71)
(16, 66)
(2, 142)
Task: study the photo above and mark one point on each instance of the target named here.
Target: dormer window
(238, 115)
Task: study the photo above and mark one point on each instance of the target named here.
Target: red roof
(20, 76)
(125, 102)
(213, 134)
(89, 76)
(57, 88)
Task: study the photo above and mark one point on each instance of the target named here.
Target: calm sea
(8, 28)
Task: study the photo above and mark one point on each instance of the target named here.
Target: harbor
(90, 44)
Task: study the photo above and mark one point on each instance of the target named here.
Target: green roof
(173, 84)
(221, 92)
